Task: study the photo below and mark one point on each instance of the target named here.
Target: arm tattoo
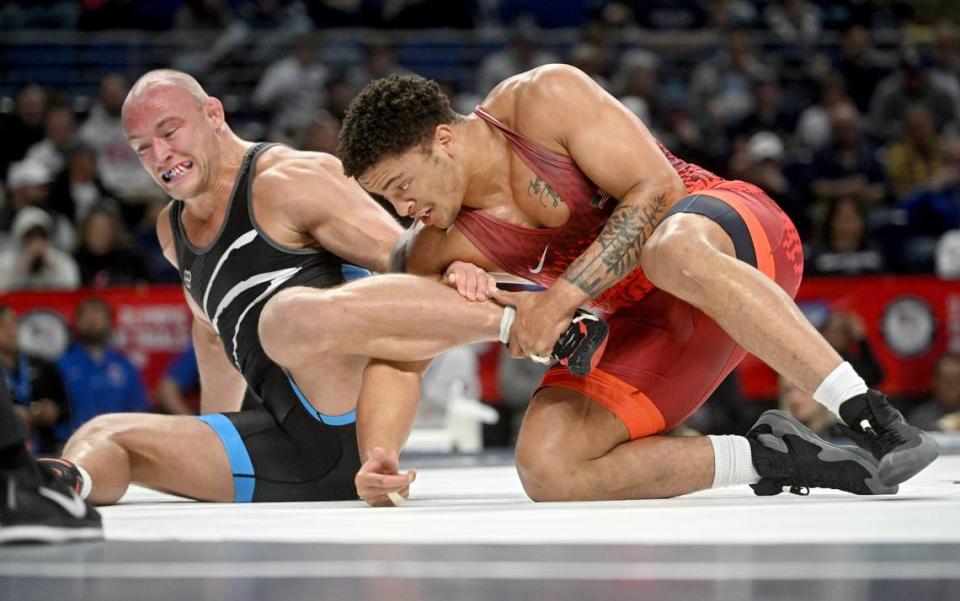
(540, 188)
(621, 243)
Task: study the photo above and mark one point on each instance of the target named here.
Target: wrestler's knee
(677, 255)
(111, 426)
(544, 471)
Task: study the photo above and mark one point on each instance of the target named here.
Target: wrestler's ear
(444, 138)
(213, 110)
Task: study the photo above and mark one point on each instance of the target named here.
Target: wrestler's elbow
(404, 255)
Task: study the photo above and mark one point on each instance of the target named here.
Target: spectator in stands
(637, 78)
(35, 386)
(615, 15)
(321, 134)
(29, 186)
(51, 151)
(725, 15)
(521, 54)
(769, 113)
(860, 65)
(77, 187)
(197, 16)
(119, 168)
(794, 21)
(908, 86)
(815, 122)
(934, 207)
(946, 61)
(847, 334)
(98, 377)
(31, 262)
(945, 394)
(682, 134)
(178, 391)
(379, 61)
(145, 235)
(849, 165)
(917, 156)
(876, 14)
(24, 127)
(105, 256)
(845, 247)
(948, 255)
(761, 161)
(807, 411)
(660, 15)
(721, 88)
(292, 89)
(268, 25)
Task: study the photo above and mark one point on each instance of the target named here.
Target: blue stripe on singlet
(244, 477)
(344, 419)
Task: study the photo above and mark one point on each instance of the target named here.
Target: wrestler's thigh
(175, 453)
(564, 425)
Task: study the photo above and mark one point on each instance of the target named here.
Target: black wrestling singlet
(233, 278)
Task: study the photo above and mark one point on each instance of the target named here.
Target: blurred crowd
(846, 112)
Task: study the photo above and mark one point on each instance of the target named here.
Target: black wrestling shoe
(64, 470)
(40, 508)
(873, 423)
(581, 346)
(788, 454)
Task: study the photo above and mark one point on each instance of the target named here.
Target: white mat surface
(487, 505)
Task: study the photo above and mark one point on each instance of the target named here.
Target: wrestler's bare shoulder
(539, 99)
(283, 165)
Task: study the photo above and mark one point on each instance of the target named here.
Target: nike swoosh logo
(73, 504)
(543, 257)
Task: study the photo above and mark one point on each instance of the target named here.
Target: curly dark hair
(388, 117)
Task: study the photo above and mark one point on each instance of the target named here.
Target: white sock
(506, 320)
(732, 461)
(843, 383)
(87, 485)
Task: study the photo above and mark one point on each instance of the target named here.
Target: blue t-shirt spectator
(98, 385)
(184, 371)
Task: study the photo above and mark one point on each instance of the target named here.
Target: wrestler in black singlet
(285, 451)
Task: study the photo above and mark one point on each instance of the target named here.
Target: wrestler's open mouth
(176, 171)
(424, 216)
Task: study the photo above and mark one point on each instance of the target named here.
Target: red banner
(151, 324)
(910, 321)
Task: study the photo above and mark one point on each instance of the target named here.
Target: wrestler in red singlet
(664, 356)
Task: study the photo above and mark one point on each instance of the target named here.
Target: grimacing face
(173, 137)
(418, 184)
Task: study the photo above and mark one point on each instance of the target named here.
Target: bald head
(166, 78)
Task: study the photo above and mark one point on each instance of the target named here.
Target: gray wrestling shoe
(788, 454)
(873, 423)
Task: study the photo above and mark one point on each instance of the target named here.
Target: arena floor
(469, 533)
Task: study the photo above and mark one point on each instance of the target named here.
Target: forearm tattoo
(620, 246)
